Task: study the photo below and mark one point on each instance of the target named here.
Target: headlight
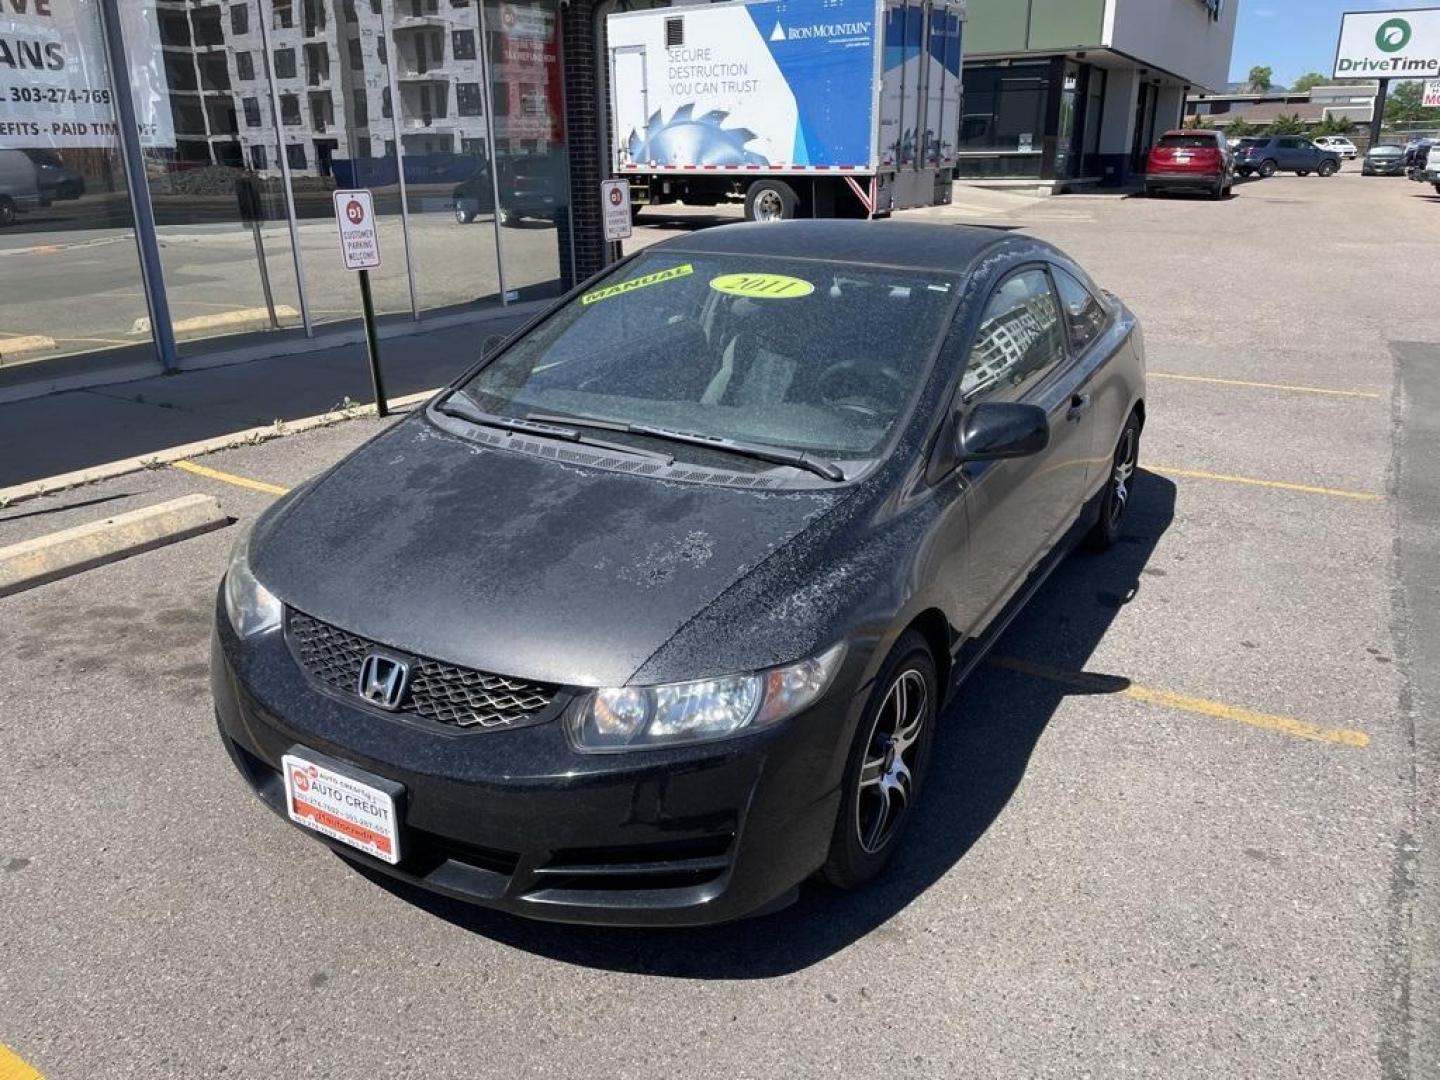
(634, 717)
(252, 608)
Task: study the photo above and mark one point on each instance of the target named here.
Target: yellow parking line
(1110, 684)
(1280, 485)
(13, 1067)
(1263, 385)
(230, 478)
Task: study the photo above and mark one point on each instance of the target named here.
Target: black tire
(1219, 192)
(1302, 172)
(7, 211)
(1437, 189)
(1327, 169)
(864, 841)
(771, 200)
(1118, 487)
(1267, 168)
(463, 216)
(1245, 172)
(509, 219)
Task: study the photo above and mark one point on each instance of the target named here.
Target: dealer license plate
(341, 807)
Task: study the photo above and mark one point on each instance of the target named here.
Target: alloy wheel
(1126, 458)
(887, 782)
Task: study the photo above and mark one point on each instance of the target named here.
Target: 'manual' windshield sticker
(762, 286)
(674, 272)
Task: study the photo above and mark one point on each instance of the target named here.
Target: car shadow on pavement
(981, 754)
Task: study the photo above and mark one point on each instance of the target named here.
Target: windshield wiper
(777, 455)
(456, 404)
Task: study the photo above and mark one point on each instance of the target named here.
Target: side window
(1288, 144)
(1085, 316)
(1019, 336)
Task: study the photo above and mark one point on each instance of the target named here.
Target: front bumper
(1372, 169)
(520, 821)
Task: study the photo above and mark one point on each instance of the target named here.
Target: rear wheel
(770, 200)
(1327, 168)
(1116, 498)
(1267, 169)
(886, 767)
(1437, 189)
(7, 211)
(463, 216)
(1302, 172)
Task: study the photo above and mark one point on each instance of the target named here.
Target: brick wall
(584, 87)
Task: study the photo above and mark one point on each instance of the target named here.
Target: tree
(1261, 80)
(1308, 82)
(1334, 125)
(1287, 125)
(1239, 128)
(1404, 105)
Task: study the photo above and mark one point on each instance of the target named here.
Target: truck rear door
(630, 99)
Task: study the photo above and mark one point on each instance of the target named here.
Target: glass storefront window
(1003, 129)
(67, 247)
(528, 103)
(252, 107)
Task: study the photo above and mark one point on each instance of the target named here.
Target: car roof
(915, 245)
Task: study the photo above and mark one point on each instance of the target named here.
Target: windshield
(1386, 151)
(786, 352)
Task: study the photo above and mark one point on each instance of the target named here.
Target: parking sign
(359, 239)
(615, 208)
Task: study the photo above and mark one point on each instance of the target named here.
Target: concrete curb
(248, 437)
(21, 346)
(50, 558)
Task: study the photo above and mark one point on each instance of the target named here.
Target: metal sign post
(360, 250)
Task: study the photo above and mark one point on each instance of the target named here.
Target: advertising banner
(55, 82)
(1432, 95)
(1389, 45)
(771, 83)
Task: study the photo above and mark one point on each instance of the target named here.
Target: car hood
(514, 564)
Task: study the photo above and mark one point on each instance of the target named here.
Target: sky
(1296, 36)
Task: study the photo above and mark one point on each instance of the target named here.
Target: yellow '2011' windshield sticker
(762, 286)
(684, 270)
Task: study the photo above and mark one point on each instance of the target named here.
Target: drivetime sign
(1389, 45)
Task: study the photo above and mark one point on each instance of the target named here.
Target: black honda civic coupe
(649, 617)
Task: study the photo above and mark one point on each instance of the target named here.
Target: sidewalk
(77, 429)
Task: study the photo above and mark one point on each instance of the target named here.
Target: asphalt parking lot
(1183, 825)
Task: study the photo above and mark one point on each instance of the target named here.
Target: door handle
(1079, 403)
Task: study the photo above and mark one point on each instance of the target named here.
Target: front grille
(444, 693)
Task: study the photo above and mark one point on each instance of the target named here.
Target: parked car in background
(1384, 160)
(1418, 158)
(1428, 172)
(1190, 161)
(1338, 144)
(653, 614)
(531, 186)
(19, 185)
(1269, 154)
(56, 180)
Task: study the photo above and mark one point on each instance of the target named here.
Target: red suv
(1190, 161)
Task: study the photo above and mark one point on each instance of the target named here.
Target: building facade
(1064, 94)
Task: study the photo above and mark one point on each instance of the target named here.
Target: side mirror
(491, 344)
(1002, 429)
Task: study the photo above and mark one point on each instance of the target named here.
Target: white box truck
(801, 108)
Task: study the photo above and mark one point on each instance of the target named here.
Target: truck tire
(7, 211)
(770, 200)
